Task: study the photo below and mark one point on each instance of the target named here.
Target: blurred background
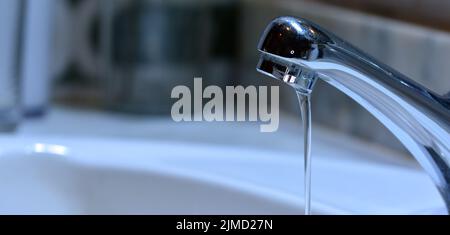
(64, 64)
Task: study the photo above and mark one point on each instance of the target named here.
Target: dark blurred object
(11, 25)
(155, 46)
(127, 55)
(429, 13)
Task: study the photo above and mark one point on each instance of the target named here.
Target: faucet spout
(298, 52)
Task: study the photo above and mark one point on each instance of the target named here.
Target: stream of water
(305, 108)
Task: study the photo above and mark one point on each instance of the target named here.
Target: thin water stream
(305, 108)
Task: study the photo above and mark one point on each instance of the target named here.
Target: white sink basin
(98, 176)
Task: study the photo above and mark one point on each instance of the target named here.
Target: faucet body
(299, 52)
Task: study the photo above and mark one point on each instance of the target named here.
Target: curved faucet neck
(419, 118)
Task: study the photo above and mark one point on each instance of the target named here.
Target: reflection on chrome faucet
(299, 52)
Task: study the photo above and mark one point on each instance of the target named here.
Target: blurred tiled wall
(429, 13)
(420, 53)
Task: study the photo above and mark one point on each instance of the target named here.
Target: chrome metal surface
(299, 52)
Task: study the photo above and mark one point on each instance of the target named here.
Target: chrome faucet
(299, 52)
